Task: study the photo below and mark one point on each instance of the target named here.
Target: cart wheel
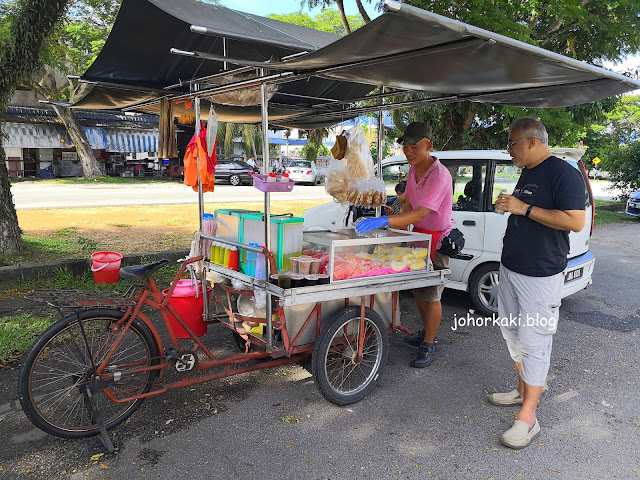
(341, 376)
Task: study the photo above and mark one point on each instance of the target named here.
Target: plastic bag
(352, 179)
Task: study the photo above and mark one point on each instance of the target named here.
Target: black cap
(415, 132)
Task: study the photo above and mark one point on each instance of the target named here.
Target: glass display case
(349, 256)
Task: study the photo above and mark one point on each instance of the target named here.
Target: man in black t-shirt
(547, 203)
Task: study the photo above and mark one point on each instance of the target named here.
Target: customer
(401, 198)
(430, 196)
(548, 202)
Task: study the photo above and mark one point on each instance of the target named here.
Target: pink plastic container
(190, 309)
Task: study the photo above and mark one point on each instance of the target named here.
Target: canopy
(319, 79)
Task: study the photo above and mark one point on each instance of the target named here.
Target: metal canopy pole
(380, 145)
(203, 279)
(266, 168)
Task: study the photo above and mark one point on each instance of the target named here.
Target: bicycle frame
(154, 298)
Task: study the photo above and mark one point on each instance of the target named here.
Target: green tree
(625, 168)
(70, 50)
(348, 22)
(27, 25)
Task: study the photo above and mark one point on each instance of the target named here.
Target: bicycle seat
(141, 272)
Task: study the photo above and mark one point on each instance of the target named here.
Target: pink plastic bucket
(106, 267)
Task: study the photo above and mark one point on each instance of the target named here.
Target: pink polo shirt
(435, 192)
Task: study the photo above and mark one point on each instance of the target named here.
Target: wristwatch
(528, 211)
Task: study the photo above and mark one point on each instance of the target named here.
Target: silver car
(304, 171)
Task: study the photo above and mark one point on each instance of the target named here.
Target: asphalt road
(417, 424)
(33, 195)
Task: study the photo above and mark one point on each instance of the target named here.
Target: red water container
(190, 308)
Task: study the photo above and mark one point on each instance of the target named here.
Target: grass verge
(17, 334)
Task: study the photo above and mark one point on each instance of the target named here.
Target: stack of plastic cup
(208, 227)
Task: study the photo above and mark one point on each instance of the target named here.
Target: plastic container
(294, 264)
(233, 258)
(261, 266)
(323, 279)
(304, 267)
(286, 236)
(261, 183)
(250, 268)
(297, 281)
(106, 267)
(190, 308)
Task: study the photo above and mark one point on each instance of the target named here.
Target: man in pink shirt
(430, 192)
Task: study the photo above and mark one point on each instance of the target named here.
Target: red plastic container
(106, 267)
(190, 309)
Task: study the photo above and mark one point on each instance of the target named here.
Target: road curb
(34, 271)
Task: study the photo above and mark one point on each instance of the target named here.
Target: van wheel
(483, 288)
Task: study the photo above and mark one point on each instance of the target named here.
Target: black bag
(452, 244)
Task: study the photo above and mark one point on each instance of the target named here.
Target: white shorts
(528, 308)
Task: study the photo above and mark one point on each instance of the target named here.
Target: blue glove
(372, 223)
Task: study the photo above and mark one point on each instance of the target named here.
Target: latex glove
(372, 223)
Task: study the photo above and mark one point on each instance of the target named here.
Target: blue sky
(264, 7)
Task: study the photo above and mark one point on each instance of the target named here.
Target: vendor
(430, 192)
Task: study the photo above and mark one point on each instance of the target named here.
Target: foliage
(625, 168)
(328, 20)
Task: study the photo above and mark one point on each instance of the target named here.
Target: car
(598, 174)
(633, 204)
(478, 176)
(304, 171)
(234, 172)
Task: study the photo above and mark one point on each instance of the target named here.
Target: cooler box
(286, 237)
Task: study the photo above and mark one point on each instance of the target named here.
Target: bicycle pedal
(186, 362)
(170, 353)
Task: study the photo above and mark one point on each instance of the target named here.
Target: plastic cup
(305, 266)
(501, 192)
(274, 279)
(315, 265)
(323, 279)
(310, 280)
(295, 262)
(284, 280)
(297, 281)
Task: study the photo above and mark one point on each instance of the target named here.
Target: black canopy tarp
(405, 48)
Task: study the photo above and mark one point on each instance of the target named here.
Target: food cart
(251, 69)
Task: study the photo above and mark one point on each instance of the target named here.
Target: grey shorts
(528, 310)
(434, 293)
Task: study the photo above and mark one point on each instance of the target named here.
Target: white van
(478, 177)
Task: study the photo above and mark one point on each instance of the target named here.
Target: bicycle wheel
(340, 374)
(53, 378)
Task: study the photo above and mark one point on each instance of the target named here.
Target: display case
(350, 256)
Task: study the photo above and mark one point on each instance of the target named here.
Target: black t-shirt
(529, 247)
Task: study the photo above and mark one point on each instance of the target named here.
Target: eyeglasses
(511, 143)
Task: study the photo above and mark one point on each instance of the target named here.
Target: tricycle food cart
(91, 370)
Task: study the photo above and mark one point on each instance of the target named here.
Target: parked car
(633, 204)
(598, 174)
(234, 172)
(478, 176)
(304, 171)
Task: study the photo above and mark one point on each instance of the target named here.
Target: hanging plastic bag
(352, 180)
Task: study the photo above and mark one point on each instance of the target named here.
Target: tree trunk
(90, 167)
(10, 241)
(363, 12)
(343, 17)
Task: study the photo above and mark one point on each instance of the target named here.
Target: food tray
(260, 182)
